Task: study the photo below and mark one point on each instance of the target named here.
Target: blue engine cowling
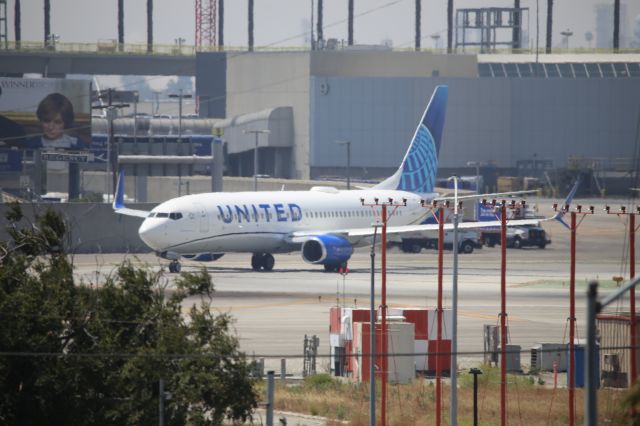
(326, 250)
(203, 257)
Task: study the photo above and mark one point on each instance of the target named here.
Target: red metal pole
(632, 295)
(572, 326)
(439, 316)
(503, 315)
(383, 401)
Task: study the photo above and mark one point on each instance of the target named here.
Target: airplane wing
(118, 201)
(358, 233)
(301, 236)
(488, 195)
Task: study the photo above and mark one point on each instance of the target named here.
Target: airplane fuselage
(266, 221)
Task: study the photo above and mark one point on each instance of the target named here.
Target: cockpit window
(175, 216)
(152, 214)
(162, 215)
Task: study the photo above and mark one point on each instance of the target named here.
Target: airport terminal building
(507, 112)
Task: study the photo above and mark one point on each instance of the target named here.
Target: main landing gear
(263, 261)
(175, 267)
(335, 267)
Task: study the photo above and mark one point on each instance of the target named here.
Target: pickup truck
(468, 240)
(518, 237)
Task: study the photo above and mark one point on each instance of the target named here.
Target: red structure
(206, 22)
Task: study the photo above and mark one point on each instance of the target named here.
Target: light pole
(436, 38)
(477, 165)
(348, 144)
(180, 97)
(566, 34)
(255, 155)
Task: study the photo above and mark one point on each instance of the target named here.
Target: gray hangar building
(505, 111)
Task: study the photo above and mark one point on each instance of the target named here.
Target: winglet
(567, 202)
(118, 201)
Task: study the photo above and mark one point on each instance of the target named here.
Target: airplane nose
(151, 233)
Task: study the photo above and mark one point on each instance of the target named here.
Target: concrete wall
(92, 228)
(371, 63)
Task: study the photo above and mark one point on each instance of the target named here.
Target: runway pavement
(274, 310)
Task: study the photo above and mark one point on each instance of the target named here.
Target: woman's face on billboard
(54, 128)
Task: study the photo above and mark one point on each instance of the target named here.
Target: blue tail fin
(567, 202)
(417, 173)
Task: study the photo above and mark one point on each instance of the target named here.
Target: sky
(283, 23)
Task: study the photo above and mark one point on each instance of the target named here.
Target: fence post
(270, 384)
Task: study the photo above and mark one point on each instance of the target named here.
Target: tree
(121, 25)
(449, 26)
(17, 23)
(47, 22)
(83, 353)
(549, 25)
(149, 26)
(616, 25)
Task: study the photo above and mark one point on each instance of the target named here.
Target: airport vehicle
(324, 223)
(468, 240)
(518, 237)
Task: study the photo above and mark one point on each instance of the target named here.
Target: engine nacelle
(203, 257)
(326, 250)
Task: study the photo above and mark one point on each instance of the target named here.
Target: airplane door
(203, 218)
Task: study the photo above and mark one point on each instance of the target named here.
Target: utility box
(400, 340)
(545, 355)
(513, 357)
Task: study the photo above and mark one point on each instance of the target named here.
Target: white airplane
(324, 223)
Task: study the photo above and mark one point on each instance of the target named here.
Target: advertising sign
(45, 113)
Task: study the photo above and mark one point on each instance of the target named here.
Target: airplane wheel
(256, 261)
(268, 261)
(174, 267)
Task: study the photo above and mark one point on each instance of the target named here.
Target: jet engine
(203, 257)
(326, 250)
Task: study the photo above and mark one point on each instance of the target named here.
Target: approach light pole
(572, 302)
(255, 155)
(384, 218)
(348, 144)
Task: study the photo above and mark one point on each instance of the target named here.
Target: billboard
(45, 113)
